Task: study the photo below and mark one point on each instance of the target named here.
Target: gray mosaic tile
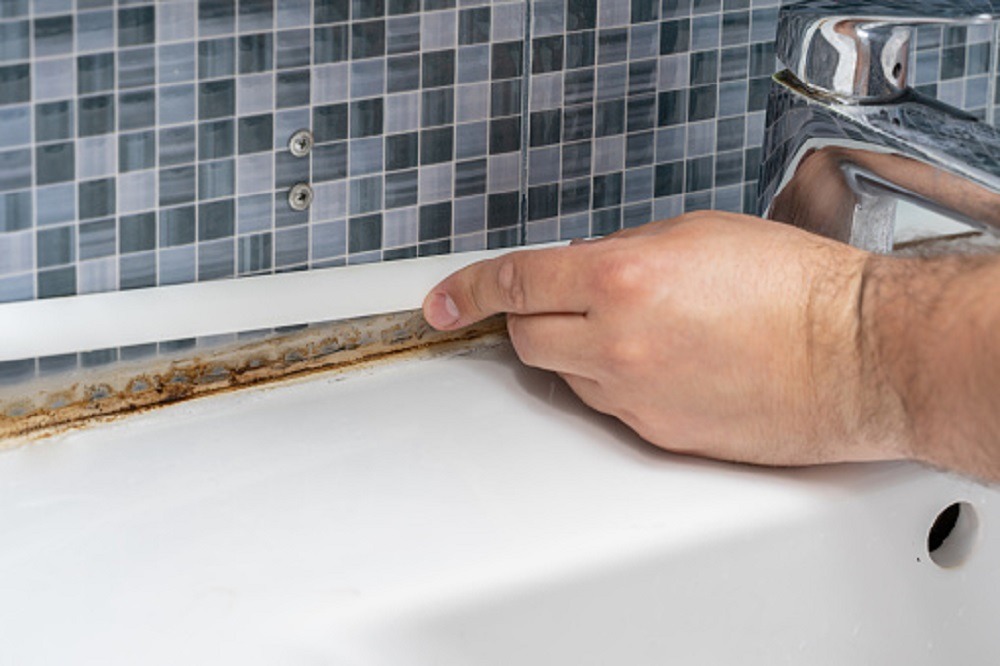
(16, 121)
(55, 204)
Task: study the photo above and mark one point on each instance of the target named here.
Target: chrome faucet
(847, 137)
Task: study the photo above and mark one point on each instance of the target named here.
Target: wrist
(858, 413)
(926, 356)
(887, 357)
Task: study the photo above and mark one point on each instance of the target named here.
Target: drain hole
(897, 70)
(953, 535)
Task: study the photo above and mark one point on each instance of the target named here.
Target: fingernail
(442, 311)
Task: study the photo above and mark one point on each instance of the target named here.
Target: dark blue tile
(401, 151)
(581, 50)
(136, 109)
(216, 139)
(329, 162)
(436, 145)
(574, 196)
(293, 88)
(257, 14)
(255, 253)
(438, 68)
(435, 221)
(137, 271)
(366, 117)
(216, 17)
(503, 210)
(216, 58)
(364, 233)
(177, 226)
(56, 283)
(331, 44)
(675, 36)
(438, 107)
(294, 49)
(137, 151)
(547, 54)
(543, 202)
(216, 220)
(507, 60)
(95, 73)
(216, 99)
(474, 25)
(55, 247)
(137, 233)
(15, 210)
(366, 9)
(53, 36)
(97, 198)
(256, 53)
(55, 163)
(331, 11)
(136, 26)
(505, 135)
(95, 115)
(54, 121)
(368, 39)
(256, 133)
(581, 14)
(177, 145)
(15, 84)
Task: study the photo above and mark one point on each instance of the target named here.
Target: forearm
(931, 345)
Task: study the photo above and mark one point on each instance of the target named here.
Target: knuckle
(621, 276)
(474, 297)
(626, 352)
(698, 216)
(510, 285)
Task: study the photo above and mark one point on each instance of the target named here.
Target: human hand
(714, 334)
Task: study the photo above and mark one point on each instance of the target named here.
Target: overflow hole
(953, 535)
(897, 70)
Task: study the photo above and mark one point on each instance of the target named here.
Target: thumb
(524, 282)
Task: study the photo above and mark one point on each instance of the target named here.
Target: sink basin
(462, 509)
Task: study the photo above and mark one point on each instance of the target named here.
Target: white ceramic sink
(466, 510)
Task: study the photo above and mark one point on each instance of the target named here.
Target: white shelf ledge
(47, 327)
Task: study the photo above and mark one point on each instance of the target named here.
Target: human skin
(730, 337)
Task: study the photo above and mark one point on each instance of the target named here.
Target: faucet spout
(858, 50)
(847, 138)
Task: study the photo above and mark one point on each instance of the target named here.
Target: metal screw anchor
(300, 197)
(301, 143)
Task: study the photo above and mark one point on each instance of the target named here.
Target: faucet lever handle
(858, 50)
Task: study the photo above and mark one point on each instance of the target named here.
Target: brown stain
(111, 394)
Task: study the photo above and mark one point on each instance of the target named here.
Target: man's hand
(713, 334)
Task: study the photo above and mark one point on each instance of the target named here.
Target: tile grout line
(525, 124)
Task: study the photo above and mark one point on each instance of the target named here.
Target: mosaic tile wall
(146, 143)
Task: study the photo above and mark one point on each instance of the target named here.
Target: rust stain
(104, 395)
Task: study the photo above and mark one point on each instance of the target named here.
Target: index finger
(549, 281)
